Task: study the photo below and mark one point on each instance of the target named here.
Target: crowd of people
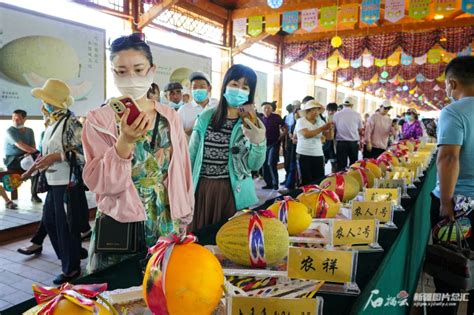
(188, 165)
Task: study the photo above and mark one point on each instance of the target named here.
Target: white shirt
(58, 173)
(189, 112)
(309, 146)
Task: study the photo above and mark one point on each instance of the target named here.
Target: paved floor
(18, 272)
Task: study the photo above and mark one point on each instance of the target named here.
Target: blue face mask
(200, 95)
(176, 106)
(236, 97)
(409, 117)
(48, 107)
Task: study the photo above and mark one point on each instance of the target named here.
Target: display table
(395, 269)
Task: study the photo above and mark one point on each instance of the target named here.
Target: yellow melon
(233, 240)
(350, 187)
(298, 218)
(194, 282)
(357, 174)
(327, 209)
(372, 166)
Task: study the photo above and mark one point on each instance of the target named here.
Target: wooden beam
(416, 26)
(249, 42)
(148, 17)
(205, 8)
(260, 7)
(134, 8)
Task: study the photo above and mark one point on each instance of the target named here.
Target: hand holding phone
(130, 134)
(248, 111)
(120, 104)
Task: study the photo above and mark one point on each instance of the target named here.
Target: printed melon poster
(48, 47)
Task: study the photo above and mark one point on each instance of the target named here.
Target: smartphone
(120, 104)
(248, 111)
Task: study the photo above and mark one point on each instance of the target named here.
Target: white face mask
(18, 126)
(450, 93)
(134, 85)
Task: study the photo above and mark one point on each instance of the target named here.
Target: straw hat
(54, 92)
(310, 105)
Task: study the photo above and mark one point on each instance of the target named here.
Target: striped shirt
(216, 151)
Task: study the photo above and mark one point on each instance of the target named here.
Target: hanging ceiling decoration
(274, 4)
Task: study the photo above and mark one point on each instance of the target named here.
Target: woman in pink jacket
(137, 177)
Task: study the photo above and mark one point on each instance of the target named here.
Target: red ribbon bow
(165, 242)
(322, 206)
(78, 294)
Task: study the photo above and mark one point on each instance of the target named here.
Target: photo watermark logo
(419, 299)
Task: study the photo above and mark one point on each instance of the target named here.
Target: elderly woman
(412, 128)
(61, 150)
(309, 129)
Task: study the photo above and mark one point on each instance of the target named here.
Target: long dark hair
(236, 72)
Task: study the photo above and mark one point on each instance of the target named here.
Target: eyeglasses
(135, 38)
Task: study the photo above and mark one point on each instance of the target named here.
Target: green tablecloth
(391, 271)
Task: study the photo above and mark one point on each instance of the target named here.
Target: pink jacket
(110, 176)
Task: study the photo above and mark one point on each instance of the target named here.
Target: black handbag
(77, 209)
(452, 263)
(116, 237)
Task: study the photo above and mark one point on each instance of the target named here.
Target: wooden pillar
(278, 77)
(228, 42)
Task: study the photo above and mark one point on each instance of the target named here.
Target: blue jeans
(66, 245)
(270, 171)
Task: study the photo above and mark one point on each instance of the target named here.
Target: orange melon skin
(193, 285)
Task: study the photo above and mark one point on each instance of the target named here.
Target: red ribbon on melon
(163, 248)
(256, 239)
(385, 159)
(323, 206)
(339, 176)
(283, 210)
(362, 172)
(78, 294)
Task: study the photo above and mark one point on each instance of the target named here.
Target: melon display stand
(279, 271)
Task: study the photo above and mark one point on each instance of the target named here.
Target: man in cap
(20, 142)
(174, 94)
(377, 131)
(200, 92)
(348, 126)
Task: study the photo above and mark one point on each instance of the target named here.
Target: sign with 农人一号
(380, 210)
(243, 305)
(353, 232)
(379, 194)
(320, 264)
